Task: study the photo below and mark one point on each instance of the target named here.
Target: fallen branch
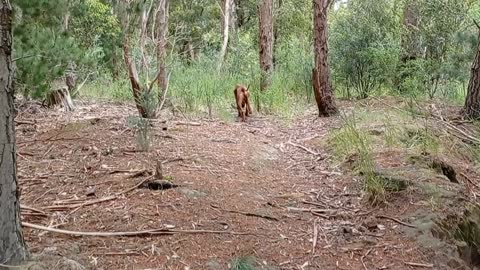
(304, 148)
(396, 220)
(424, 265)
(131, 233)
(183, 123)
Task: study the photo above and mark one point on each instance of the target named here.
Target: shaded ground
(297, 210)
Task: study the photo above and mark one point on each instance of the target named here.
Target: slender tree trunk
(266, 41)
(134, 80)
(472, 101)
(143, 35)
(322, 85)
(225, 29)
(12, 246)
(162, 17)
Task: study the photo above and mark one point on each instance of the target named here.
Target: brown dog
(242, 99)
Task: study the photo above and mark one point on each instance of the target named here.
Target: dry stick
(247, 213)
(131, 233)
(25, 207)
(24, 122)
(396, 220)
(429, 265)
(464, 133)
(179, 123)
(304, 148)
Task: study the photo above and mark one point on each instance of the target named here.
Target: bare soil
(265, 188)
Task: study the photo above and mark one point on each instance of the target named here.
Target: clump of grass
(350, 140)
(142, 127)
(243, 263)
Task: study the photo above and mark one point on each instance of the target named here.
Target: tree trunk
(472, 101)
(134, 80)
(322, 85)
(12, 246)
(266, 42)
(162, 17)
(225, 29)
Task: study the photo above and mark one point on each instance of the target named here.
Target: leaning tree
(322, 84)
(12, 246)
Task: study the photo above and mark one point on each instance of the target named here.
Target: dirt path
(259, 178)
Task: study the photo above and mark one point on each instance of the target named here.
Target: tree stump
(60, 97)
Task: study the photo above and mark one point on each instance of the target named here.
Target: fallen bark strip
(131, 233)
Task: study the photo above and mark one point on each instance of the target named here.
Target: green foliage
(364, 45)
(44, 46)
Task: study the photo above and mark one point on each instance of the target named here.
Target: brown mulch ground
(253, 178)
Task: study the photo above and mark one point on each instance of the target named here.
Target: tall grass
(351, 141)
(200, 88)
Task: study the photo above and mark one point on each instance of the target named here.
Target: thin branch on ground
(246, 213)
(423, 265)
(130, 233)
(397, 221)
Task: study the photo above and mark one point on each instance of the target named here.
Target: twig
(131, 233)
(24, 207)
(396, 220)
(425, 265)
(20, 122)
(246, 213)
(304, 148)
(77, 205)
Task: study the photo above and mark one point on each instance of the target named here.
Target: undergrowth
(374, 132)
(352, 142)
(243, 263)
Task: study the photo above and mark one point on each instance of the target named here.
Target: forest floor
(265, 189)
